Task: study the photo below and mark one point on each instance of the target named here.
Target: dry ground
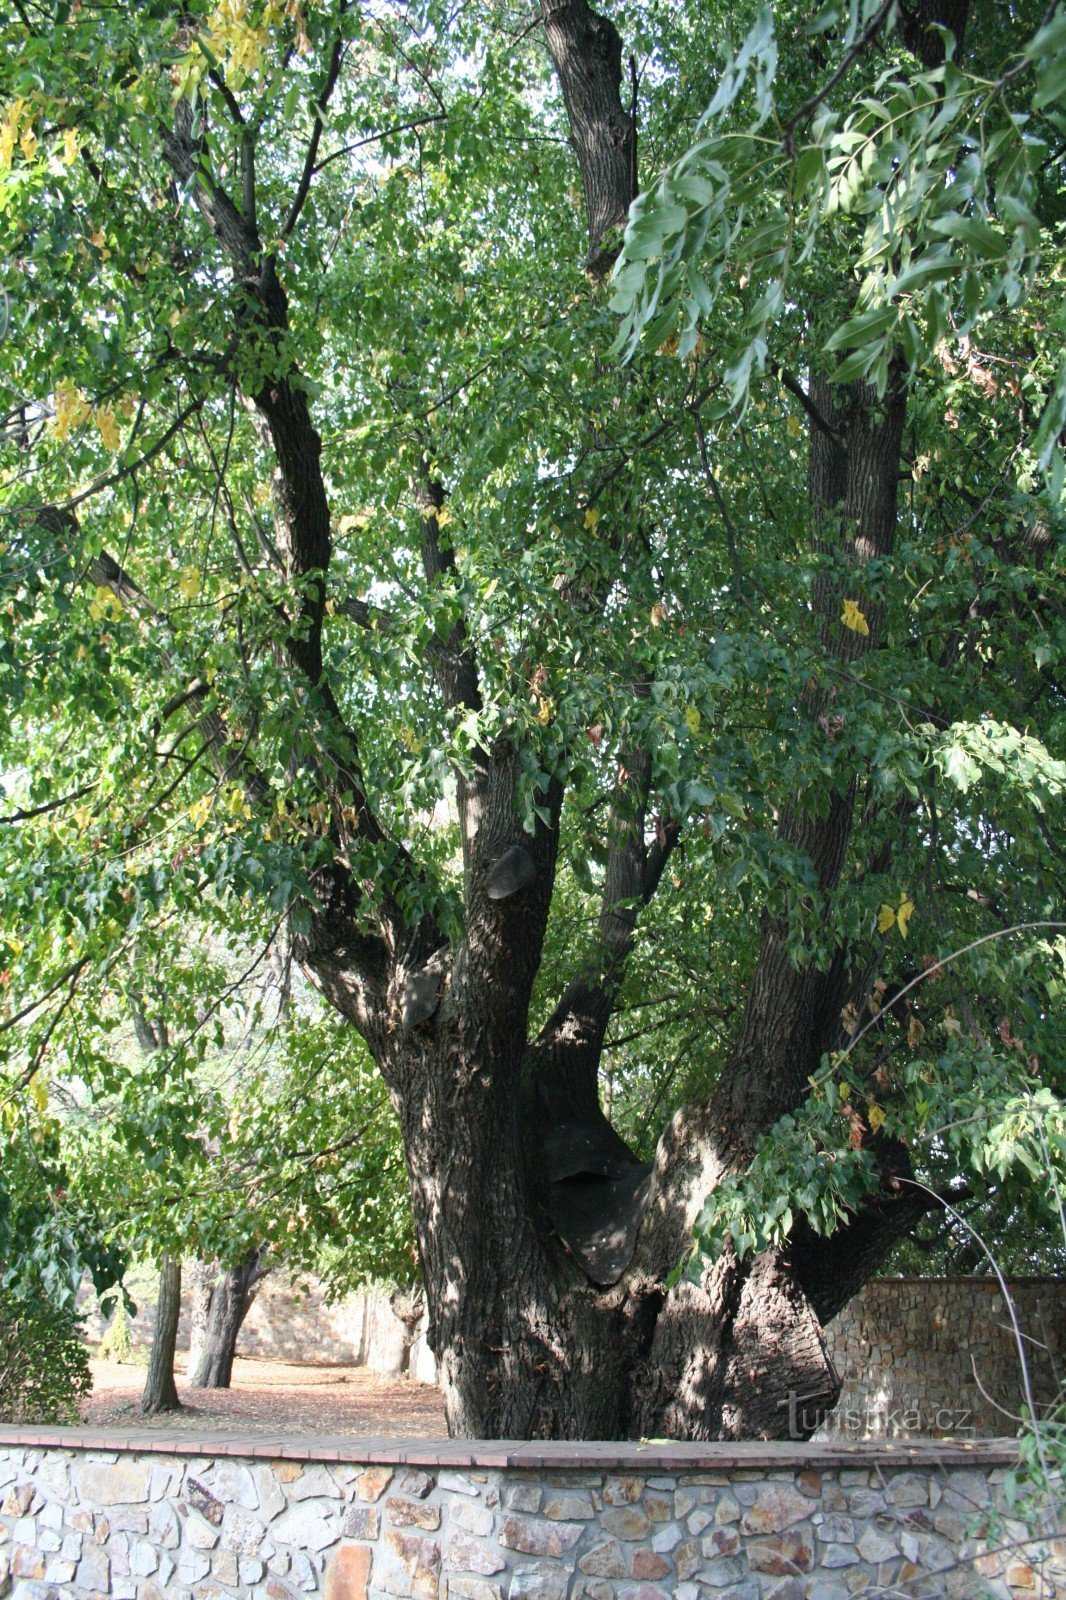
(275, 1397)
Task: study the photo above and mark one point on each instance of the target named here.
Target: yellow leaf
(189, 583)
(69, 408)
(70, 147)
(875, 1117)
(544, 712)
(9, 132)
(104, 604)
(952, 1025)
(28, 144)
(853, 618)
(235, 802)
(692, 720)
(592, 516)
(39, 1092)
(174, 318)
(444, 516)
(108, 427)
(81, 818)
(903, 915)
(430, 512)
(200, 810)
(886, 918)
(794, 427)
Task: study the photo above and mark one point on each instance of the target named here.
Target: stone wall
(915, 1355)
(292, 1320)
(181, 1518)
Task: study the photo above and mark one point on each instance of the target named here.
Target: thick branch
(587, 52)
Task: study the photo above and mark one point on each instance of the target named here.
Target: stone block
(724, 1572)
(539, 1582)
(776, 1507)
(348, 1573)
(472, 1589)
(533, 1538)
(465, 1554)
(420, 1559)
(416, 1484)
(688, 1559)
(233, 1483)
(650, 1564)
(360, 1522)
(241, 1532)
(305, 1527)
(622, 1491)
(270, 1501)
(629, 1522)
(315, 1483)
(26, 1562)
(568, 1507)
(404, 1512)
(781, 1555)
(523, 1497)
(604, 1561)
(200, 1534)
(457, 1483)
(202, 1500)
(876, 1545)
(118, 1483)
(472, 1518)
(373, 1482)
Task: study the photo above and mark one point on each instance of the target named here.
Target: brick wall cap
(503, 1454)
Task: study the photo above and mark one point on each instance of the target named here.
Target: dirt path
(275, 1397)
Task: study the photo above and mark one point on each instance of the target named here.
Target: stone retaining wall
(915, 1355)
(182, 1518)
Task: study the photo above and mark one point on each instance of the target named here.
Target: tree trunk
(231, 1295)
(160, 1390)
(200, 1276)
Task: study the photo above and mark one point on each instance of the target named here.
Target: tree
(200, 1135)
(405, 610)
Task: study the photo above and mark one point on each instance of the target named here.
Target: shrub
(44, 1366)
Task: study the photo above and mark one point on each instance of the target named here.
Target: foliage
(438, 315)
(935, 177)
(44, 1366)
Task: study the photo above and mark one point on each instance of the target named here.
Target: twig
(868, 35)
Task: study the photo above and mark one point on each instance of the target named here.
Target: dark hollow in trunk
(231, 1295)
(160, 1390)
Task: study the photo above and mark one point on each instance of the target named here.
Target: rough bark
(586, 50)
(231, 1295)
(160, 1390)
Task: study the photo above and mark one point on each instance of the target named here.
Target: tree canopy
(564, 513)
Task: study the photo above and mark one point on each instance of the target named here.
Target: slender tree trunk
(231, 1295)
(200, 1276)
(160, 1390)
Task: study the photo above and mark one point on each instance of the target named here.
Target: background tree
(352, 580)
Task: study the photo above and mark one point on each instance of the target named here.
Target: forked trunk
(160, 1390)
(231, 1296)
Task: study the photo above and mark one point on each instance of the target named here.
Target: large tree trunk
(160, 1390)
(548, 1315)
(231, 1296)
